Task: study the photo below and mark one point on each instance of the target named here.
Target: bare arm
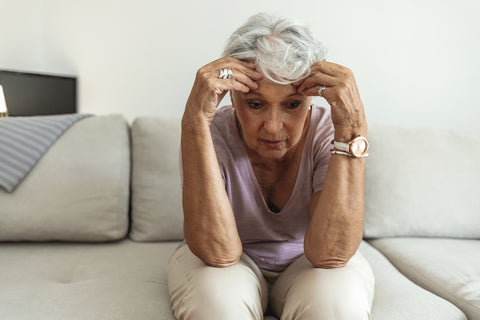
(336, 212)
(209, 224)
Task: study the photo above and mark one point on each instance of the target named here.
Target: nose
(273, 122)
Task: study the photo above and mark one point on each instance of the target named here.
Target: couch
(89, 231)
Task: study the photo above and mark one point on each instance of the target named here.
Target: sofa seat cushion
(398, 298)
(448, 267)
(128, 280)
(120, 280)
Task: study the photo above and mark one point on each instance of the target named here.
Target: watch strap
(341, 146)
(336, 151)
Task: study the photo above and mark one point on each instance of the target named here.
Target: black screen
(30, 94)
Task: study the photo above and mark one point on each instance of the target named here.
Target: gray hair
(283, 49)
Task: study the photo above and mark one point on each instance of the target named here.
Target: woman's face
(273, 119)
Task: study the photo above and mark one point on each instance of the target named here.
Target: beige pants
(243, 291)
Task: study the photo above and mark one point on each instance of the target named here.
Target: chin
(268, 153)
(272, 154)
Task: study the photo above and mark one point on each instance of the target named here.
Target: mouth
(272, 143)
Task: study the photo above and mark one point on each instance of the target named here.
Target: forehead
(271, 90)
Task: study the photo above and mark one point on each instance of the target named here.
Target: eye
(254, 105)
(294, 104)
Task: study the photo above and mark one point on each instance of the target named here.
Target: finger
(246, 64)
(238, 76)
(330, 68)
(238, 86)
(243, 78)
(250, 72)
(246, 76)
(317, 79)
(310, 92)
(247, 68)
(224, 85)
(255, 75)
(249, 78)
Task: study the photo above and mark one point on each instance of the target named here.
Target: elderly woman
(272, 185)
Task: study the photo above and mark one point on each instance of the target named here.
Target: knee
(326, 306)
(349, 305)
(224, 285)
(218, 293)
(323, 295)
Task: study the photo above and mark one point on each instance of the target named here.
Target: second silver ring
(320, 90)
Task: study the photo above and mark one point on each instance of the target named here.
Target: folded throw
(23, 140)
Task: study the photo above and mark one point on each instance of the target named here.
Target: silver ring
(225, 74)
(320, 90)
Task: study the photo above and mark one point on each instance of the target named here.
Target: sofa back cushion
(156, 189)
(77, 191)
(422, 182)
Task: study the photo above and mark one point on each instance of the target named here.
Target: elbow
(326, 261)
(329, 256)
(221, 260)
(221, 263)
(216, 258)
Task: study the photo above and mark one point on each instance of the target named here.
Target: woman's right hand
(208, 89)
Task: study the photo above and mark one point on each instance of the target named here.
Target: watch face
(359, 146)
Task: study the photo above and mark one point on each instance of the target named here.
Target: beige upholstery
(450, 268)
(79, 189)
(156, 193)
(420, 183)
(128, 280)
(57, 281)
(397, 298)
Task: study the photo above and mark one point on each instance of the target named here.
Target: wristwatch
(357, 147)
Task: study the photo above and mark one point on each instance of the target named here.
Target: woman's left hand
(341, 92)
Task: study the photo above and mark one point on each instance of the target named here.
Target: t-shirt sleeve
(321, 150)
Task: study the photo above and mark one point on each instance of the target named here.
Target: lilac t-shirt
(272, 240)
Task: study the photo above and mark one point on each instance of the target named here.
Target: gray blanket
(23, 140)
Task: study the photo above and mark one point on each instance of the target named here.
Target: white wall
(416, 61)
(22, 40)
